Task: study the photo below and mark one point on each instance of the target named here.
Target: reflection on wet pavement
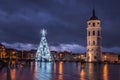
(61, 71)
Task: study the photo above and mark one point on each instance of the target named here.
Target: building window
(89, 33)
(98, 33)
(93, 24)
(89, 23)
(98, 41)
(95, 57)
(93, 42)
(93, 33)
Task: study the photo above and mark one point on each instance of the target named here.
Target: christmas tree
(43, 52)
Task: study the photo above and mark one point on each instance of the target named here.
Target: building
(110, 57)
(31, 54)
(94, 53)
(78, 57)
(11, 53)
(2, 51)
(68, 56)
(62, 56)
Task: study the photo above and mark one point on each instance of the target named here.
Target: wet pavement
(61, 71)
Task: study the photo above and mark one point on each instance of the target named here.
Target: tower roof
(94, 17)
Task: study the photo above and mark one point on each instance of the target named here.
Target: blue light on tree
(43, 52)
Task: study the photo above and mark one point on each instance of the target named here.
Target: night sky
(65, 21)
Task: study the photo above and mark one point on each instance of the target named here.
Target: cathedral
(94, 48)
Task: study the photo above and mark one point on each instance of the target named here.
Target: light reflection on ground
(61, 71)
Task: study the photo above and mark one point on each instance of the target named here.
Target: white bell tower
(94, 52)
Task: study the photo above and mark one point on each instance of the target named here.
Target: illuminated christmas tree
(43, 52)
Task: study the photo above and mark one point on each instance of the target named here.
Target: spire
(93, 15)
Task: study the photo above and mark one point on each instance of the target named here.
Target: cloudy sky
(65, 21)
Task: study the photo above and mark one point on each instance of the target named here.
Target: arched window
(89, 33)
(93, 33)
(98, 33)
(91, 49)
(93, 42)
(98, 42)
(93, 24)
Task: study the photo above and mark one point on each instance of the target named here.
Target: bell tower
(94, 52)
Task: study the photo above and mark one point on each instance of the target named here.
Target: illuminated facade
(110, 57)
(43, 52)
(94, 52)
(2, 51)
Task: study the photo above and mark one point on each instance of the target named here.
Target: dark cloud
(65, 21)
